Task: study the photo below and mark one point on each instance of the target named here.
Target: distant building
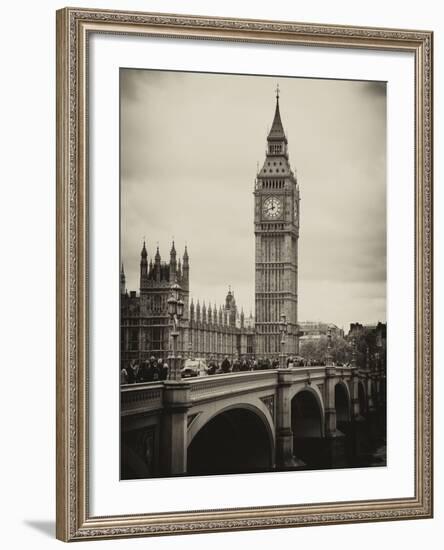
(371, 341)
(309, 330)
(379, 331)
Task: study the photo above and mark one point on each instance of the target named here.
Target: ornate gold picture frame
(74, 518)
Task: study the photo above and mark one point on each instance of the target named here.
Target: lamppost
(283, 330)
(353, 358)
(175, 311)
(328, 355)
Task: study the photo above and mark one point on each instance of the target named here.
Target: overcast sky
(190, 144)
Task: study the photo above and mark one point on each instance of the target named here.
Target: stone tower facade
(144, 320)
(276, 228)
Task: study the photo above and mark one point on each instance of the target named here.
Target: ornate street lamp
(328, 355)
(353, 359)
(175, 311)
(376, 364)
(283, 327)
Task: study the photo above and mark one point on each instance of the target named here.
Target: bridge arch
(307, 412)
(342, 402)
(238, 437)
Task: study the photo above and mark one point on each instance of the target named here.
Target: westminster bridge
(236, 422)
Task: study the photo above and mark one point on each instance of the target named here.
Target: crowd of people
(242, 364)
(156, 370)
(150, 370)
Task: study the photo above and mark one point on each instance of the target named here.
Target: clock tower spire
(276, 229)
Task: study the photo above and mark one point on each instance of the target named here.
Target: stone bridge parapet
(180, 409)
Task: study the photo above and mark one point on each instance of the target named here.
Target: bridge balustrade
(176, 403)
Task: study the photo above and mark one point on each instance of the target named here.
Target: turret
(198, 319)
(186, 270)
(209, 314)
(143, 264)
(173, 263)
(242, 319)
(276, 168)
(157, 266)
(228, 299)
(233, 315)
(204, 313)
(276, 139)
(122, 280)
(230, 307)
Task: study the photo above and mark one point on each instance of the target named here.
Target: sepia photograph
(253, 324)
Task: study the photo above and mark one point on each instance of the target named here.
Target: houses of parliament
(214, 331)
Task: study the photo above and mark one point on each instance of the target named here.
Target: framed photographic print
(244, 274)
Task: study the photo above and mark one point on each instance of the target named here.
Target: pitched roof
(277, 130)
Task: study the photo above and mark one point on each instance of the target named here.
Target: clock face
(272, 208)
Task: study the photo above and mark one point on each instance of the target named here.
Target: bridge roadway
(177, 427)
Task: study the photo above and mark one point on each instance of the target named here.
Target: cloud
(190, 144)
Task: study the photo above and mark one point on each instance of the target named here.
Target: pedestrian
(152, 369)
(123, 376)
(226, 366)
(131, 372)
(145, 372)
(212, 366)
(164, 372)
(157, 370)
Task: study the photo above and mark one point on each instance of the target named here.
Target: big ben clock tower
(276, 229)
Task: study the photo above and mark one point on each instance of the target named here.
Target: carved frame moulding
(74, 28)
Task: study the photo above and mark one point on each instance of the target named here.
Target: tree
(315, 350)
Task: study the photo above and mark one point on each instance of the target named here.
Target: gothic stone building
(210, 331)
(144, 321)
(216, 332)
(205, 331)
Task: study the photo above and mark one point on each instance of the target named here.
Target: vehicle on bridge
(194, 367)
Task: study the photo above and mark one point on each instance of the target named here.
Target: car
(194, 367)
